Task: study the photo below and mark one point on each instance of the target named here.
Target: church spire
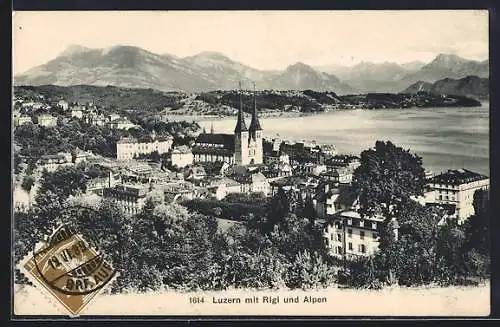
(240, 123)
(254, 124)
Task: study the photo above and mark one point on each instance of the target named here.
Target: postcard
(251, 163)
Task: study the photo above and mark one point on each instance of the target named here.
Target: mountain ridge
(132, 66)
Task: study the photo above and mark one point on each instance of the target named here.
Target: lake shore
(294, 114)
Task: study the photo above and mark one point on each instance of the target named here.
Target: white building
(456, 188)
(127, 148)
(314, 169)
(47, 120)
(63, 104)
(182, 157)
(77, 113)
(129, 197)
(51, 162)
(23, 119)
(222, 186)
(22, 199)
(350, 235)
(121, 123)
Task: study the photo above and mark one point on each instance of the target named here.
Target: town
(216, 165)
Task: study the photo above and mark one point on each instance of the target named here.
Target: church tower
(255, 134)
(241, 137)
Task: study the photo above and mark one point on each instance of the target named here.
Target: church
(244, 147)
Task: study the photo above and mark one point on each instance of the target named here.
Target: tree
(27, 183)
(309, 211)
(387, 178)
(386, 181)
(279, 207)
(414, 255)
(308, 271)
(65, 181)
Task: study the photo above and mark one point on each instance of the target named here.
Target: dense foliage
(281, 243)
(34, 140)
(109, 97)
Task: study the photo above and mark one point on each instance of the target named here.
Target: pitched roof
(225, 139)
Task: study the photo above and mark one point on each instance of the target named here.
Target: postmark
(66, 267)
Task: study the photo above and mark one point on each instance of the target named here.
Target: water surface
(446, 138)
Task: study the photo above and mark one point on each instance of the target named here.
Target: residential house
(179, 191)
(47, 120)
(344, 161)
(77, 112)
(220, 187)
(121, 123)
(82, 156)
(313, 169)
(63, 104)
(338, 175)
(349, 235)
(22, 119)
(195, 174)
(129, 197)
(328, 149)
(22, 199)
(276, 157)
(331, 198)
(51, 162)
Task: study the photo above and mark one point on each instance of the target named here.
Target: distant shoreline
(280, 114)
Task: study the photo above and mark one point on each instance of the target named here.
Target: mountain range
(129, 66)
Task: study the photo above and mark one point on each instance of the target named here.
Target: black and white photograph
(251, 163)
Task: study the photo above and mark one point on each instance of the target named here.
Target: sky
(261, 39)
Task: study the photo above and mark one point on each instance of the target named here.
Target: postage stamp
(68, 269)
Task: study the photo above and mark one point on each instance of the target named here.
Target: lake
(446, 138)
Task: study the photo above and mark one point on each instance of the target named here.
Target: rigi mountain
(128, 66)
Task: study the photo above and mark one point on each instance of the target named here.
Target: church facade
(244, 147)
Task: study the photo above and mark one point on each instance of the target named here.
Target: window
(362, 235)
(349, 221)
(339, 237)
(374, 225)
(339, 249)
(350, 246)
(361, 223)
(374, 235)
(349, 232)
(362, 248)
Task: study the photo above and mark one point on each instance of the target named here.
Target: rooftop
(458, 176)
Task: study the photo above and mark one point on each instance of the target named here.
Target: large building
(128, 148)
(244, 147)
(455, 189)
(348, 235)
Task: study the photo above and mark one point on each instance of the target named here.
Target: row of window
(362, 223)
(349, 234)
(361, 248)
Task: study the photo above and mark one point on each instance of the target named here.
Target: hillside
(108, 97)
(470, 86)
(149, 101)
